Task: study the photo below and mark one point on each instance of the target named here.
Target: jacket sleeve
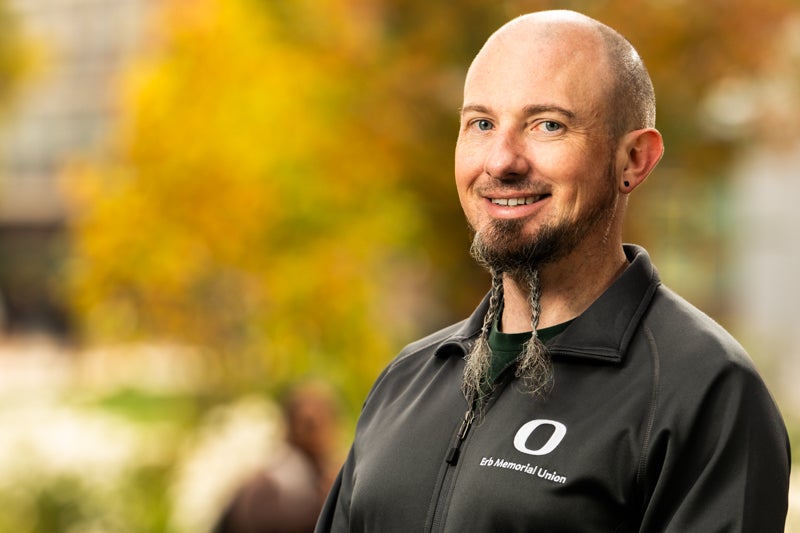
(719, 462)
(335, 514)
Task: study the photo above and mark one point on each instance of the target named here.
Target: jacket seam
(656, 375)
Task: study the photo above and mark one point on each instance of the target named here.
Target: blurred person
(582, 394)
(287, 494)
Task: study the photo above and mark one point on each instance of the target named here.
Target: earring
(626, 183)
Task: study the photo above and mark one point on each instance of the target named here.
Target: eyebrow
(529, 110)
(473, 108)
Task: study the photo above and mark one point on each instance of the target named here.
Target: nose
(506, 159)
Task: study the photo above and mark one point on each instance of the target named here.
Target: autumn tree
(248, 204)
(282, 171)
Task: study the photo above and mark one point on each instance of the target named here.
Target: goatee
(503, 248)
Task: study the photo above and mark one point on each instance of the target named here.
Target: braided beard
(533, 365)
(503, 248)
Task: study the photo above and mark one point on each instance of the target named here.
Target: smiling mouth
(513, 202)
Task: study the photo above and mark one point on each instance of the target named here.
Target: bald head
(628, 96)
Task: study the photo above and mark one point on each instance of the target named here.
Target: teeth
(512, 202)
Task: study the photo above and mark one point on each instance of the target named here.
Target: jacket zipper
(451, 459)
(448, 479)
(455, 451)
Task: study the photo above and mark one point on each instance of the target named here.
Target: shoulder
(696, 365)
(686, 335)
(429, 344)
(699, 369)
(420, 356)
(423, 359)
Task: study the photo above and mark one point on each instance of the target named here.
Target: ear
(638, 153)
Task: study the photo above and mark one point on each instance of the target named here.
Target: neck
(569, 287)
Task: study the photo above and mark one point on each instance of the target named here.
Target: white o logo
(524, 433)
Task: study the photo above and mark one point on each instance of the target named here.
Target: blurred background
(206, 205)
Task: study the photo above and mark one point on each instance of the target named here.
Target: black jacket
(657, 421)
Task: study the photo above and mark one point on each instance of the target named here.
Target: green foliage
(149, 408)
(84, 469)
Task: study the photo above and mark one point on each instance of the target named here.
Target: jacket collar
(602, 333)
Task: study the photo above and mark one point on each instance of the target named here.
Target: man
(582, 395)
(285, 496)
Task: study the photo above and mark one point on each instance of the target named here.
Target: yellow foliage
(242, 207)
(273, 159)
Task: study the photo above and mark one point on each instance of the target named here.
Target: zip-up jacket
(656, 421)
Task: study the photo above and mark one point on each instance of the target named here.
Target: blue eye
(551, 126)
(484, 125)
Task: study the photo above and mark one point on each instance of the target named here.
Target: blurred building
(766, 260)
(66, 107)
(763, 253)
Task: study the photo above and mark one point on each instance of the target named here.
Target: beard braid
(534, 368)
(479, 360)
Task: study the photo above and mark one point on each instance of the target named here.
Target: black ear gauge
(626, 183)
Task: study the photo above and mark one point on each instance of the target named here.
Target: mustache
(522, 185)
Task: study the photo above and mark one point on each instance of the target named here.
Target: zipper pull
(455, 451)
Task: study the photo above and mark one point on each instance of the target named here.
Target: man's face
(534, 161)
